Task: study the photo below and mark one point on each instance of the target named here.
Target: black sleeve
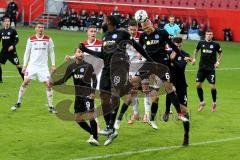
(94, 53)
(181, 63)
(218, 48)
(94, 79)
(198, 46)
(16, 39)
(67, 75)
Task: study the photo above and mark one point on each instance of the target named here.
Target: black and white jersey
(9, 37)
(209, 52)
(84, 78)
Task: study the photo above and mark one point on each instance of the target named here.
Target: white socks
(135, 105)
(49, 93)
(21, 93)
(147, 104)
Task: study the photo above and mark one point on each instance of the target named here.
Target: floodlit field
(32, 133)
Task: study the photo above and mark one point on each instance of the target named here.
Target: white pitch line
(188, 70)
(155, 149)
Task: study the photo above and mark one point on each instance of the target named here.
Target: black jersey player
(85, 82)
(115, 71)
(207, 66)
(177, 67)
(154, 42)
(9, 39)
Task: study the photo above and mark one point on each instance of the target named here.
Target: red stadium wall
(220, 19)
(36, 6)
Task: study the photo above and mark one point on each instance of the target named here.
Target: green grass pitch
(31, 133)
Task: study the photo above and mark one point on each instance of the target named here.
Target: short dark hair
(39, 23)
(112, 20)
(208, 30)
(6, 17)
(177, 40)
(133, 23)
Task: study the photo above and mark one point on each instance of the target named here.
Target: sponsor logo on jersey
(114, 36)
(207, 51)
(156, 36)
(81, 70)
(5, 37)
(151, 42)
(211, 46)
(78, 76)
(108, 43)
(8, 33)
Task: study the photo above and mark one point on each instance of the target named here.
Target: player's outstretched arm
(94, 53)
(140, 50)
(66, 76)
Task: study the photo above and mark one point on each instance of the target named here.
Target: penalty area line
(156, 149)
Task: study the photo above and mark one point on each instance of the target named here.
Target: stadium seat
(192, 3)
(184, 3)
(200, 3)
(233, 4)
(225, 4)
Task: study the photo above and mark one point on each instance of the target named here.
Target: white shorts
(33, 72)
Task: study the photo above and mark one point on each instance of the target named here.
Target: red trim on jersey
(34, 38)
(97, 43)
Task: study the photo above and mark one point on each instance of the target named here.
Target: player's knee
(18, 66)
(213, 87)
(183, 109)
(25, 83)
(198, 85)
(78, 118)
(169, 87)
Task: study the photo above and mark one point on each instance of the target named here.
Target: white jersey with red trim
(97, 63)
(133, 54)
(95, 46)
(37, 51)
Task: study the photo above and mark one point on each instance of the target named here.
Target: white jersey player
(35, 64)
(95, 45)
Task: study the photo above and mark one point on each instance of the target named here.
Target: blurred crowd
(70, 19)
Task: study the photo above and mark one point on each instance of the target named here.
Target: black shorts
(83, 104)
(11, 56)
(203, 74)
(182, 94)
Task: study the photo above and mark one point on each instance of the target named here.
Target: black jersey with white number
(9, 37)
(209, 52)
(155, 43)
(84, 78)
